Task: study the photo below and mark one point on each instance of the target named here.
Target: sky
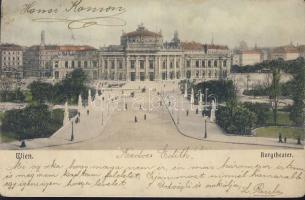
(261, 22)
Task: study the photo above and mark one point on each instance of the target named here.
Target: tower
(42, 38)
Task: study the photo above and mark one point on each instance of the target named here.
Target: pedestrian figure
(125, 106)
(87, 112)
(196, 110)
(144, 116)
(280, 138)
(187, 112)
(22, 145)
(285, 139)
(140, 107)
(169, 103)
(135, 119)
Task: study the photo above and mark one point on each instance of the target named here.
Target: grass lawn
(273, 132)
(282, 118)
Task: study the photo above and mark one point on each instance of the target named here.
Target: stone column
(127, 66)
(156, 70)
(137, 67)
(116, 69)
(175, 67)
(159, 68)
(108, 69)
(182, 68)
(146, 66)
(167, 68)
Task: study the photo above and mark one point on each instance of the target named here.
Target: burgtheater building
(142, 55)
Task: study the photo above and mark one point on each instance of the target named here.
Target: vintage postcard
(162, 98)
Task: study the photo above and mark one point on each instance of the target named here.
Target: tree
(260, 110)
(34, 121)
(70, 87)
(235, 118)
(5, 87)
(223, 89)
(298, 93)
(41, 92)
(275, 87)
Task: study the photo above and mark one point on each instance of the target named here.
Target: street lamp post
(102, 118)
(206, 100)
(205, 128)
(72, 132)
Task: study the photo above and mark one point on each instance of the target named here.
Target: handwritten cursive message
(141, 172)
(69, 15)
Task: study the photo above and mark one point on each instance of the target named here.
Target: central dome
(143, 32)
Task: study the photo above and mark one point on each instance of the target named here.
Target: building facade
(289, 52)
(56, 61)
(11, 60)
(73, 57)
(142, 55)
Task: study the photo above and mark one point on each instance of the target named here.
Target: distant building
(142, 55)
(11, 60)
(301, 49)
(250, 57)
(289, 52)
(73, 57)
(40, 60)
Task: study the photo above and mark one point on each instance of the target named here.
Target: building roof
(194, 46)
(63, 47)
(253, 51)
(75, 48)
(286, 49)
(10, 47)
(214, 46)
(143, 32)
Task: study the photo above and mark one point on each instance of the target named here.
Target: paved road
(156, 132)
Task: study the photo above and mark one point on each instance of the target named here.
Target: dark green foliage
(34, 121)
(12, 96)
(67, 89)
(41, 92)
(261, 111)
(298, 93)
(286, 90)
(224, 90)
(236, 119)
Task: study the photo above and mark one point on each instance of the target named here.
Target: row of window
(203, 63)
(78, 64)
(198, 63)
(11, 58)
(210, 74)
(11, 52)
(141, 63)
(10, 63)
